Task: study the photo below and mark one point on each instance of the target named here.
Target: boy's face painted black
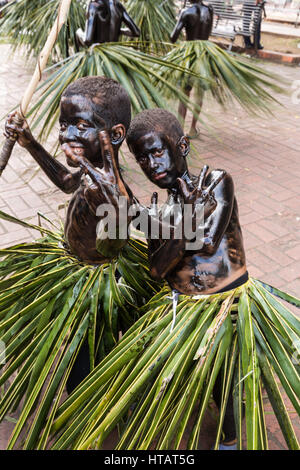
(160, 158)
(79, 127)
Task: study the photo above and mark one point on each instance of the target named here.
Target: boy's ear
(184, 145)
(118, 134)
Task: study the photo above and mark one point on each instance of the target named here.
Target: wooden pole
(62, 15)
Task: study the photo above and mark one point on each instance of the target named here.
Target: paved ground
(280, 29)
(287, 15)
(262, 154)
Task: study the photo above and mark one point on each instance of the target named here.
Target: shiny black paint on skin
(157, 156)
(80, 127)
(85, 132)
(104, 21)
(91, 146)
(221, 260)
(196, 20)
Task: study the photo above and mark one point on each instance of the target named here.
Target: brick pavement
(262, 154)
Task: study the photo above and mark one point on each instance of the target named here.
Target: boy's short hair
(158, 120)
(110, 100)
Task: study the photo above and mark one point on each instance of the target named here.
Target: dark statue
(197, 21)
(104, 23)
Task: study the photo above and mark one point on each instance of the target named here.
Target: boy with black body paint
(160, 147)
(95, 114)
(104, 23)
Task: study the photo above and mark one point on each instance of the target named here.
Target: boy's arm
(90, 24)
(215, 212)
(164, 255)
(56, 172)
(216, 224)
(179, 26)
(133, 30)
(107, 196)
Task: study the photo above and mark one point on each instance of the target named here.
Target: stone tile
(261, 233)
(290, 273)
(261, 209)
(283, 195)
(250, 241)
(273, 279)
(258, 259)
(274, 227)
(250, 218)
(254, 271)
(294, 252)
(11, 238)
(275, 254)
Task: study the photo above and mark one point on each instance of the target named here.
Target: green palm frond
(155, 19)
(51, 304)
(227, 77)
(153, 383)
(28, 22)
(134, 69)
(163, 379)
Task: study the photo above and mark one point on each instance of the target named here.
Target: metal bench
(235, 18)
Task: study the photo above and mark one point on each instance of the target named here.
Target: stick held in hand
(6, 153)
(41, 64)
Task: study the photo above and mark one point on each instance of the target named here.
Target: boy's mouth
(77, 147)
(159, 176)
(72, 148)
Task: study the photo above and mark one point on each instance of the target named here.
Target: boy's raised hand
(108, 177)
(203, 194)
(200, 194)
(110, 173)
(18, 129)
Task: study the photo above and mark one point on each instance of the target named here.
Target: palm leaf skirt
(159, 377)
(50, 304)
(227, 76)
(157, 380)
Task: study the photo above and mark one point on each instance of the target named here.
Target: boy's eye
(142, 159)
(158, 152)
(82, 126)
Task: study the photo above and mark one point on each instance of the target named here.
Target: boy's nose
(70, 134)
(153, 163)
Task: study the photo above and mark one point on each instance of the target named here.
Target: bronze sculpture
(197, 21)
(104, 23)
